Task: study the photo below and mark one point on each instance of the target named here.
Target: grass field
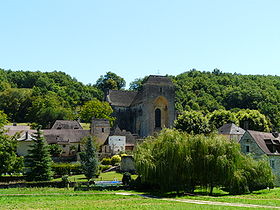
(263, 197)
(50, 198)
(109, 176)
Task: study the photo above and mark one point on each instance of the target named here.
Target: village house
(138, 114)
(231, 131)
(261, 144)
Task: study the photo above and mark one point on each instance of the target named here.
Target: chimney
(246, 125)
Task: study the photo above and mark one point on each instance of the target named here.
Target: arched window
(157, 118)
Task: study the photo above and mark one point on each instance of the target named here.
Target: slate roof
(121, 97)
(66, 124)
(260, 138)
(11, 130)
(68, 136)
(231, 129)
(117, 132)
(127, 98)
(157, 79)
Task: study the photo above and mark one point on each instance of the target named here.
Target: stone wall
(257, 152)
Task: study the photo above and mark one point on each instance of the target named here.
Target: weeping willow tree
(164, 161)
(175, 160)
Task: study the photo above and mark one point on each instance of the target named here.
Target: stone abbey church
(146, 111)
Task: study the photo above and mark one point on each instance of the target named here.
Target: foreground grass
(263, 197)
(50, 198)
(36, 198)
(109, 176)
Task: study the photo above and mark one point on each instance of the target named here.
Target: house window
(157, 118)
(247, 148)
(102, 129)
(272, 164)
(160, 89)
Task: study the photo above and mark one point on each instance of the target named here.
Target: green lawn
(109, 176)
(47, 198)
(43, 198)
(86, 126)
(263, 197)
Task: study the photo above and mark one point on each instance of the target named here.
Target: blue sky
(134, 38)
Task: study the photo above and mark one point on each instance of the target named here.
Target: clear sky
(134, 38)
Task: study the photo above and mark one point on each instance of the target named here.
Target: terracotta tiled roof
(231, 129)
(121, 97)
(260, 138)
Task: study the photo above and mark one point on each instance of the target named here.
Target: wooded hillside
(209, 91)
(28, 96)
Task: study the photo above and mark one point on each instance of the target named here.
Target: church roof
(121, 97)
(231, 129)
(157, 79)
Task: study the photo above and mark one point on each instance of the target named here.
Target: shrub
(65, 181)
(115, 159)
(106, 161)
(61, 169)
(104, 167)
(126, 178)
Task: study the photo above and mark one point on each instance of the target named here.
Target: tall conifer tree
(38, 161)
(89, 159)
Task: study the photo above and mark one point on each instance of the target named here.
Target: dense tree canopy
(192, 122)
(209, 91)
(96, 109)
(178, 161)
(110, 81)
(24, 96)
(195, 91)
(9, 161)
(220, 117)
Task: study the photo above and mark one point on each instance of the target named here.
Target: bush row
(61, 169)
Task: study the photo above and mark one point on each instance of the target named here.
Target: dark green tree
(89, 161)
(253, 120)
(9, 161)
(110, 81)
(96, 109)
(175, 160)
(38, 161)
(220, 117)
(48, 109)
(137, 84)
(15, 103)
(192, 122)
(3, 119)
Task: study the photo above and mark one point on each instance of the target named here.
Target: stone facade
(127, 164)
(146, 111)
(100, 128)
(261, 144)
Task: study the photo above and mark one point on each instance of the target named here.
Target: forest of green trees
(41, 98)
